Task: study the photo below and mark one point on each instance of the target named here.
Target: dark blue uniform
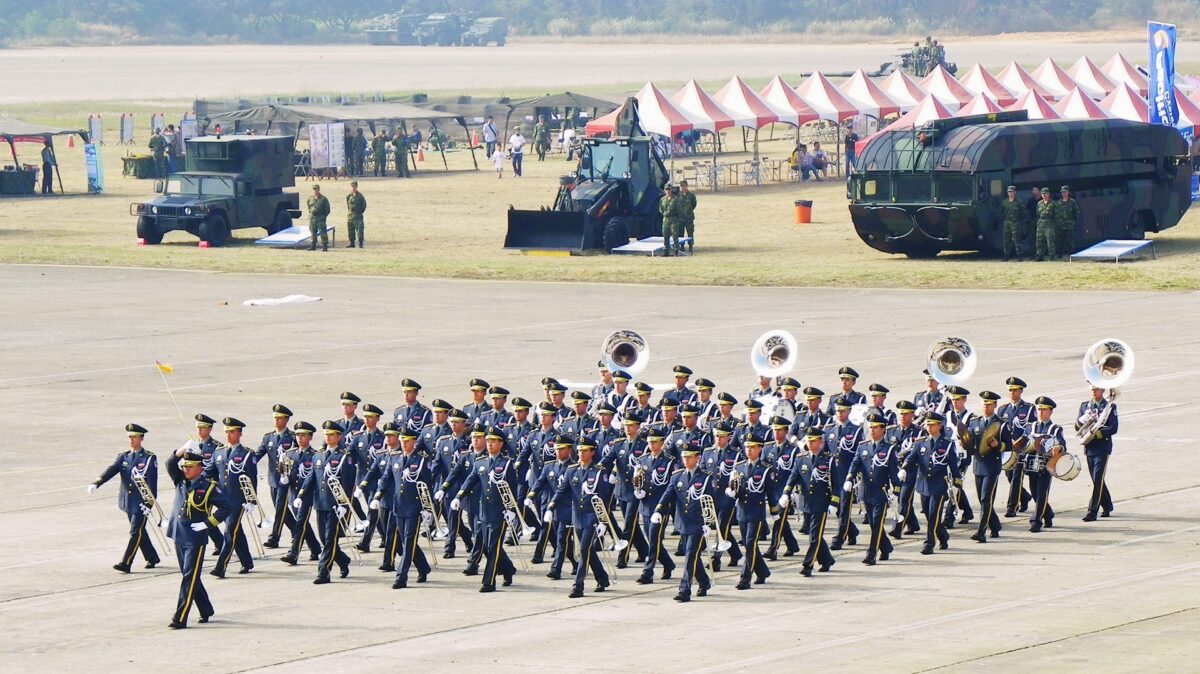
(784, 456)
(720, 464)
(754, 498)
(876, 465)
(1018, 416)
(198, 502)
(986, 467)
(400, 479)
(367, 449)
(840, 440)
(624, 458)
(232, 464)
(811, 484)
(1097, 451)
(937, 466)
(558, 533)
(682, 495)
(454, 458)
(904, 439)
(380, 462)
(658, 471)
(302, 530)
(1039, 476)
(129, 465)
(481, 482)
(414, 417)
(332, 463)
(578, 487)
(273, 447)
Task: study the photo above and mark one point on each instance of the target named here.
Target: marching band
(610, 477)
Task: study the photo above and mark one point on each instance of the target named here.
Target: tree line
(300, 21)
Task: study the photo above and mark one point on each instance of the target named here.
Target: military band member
(719, 461)
(453, 459)
(725, 403)
(233, 462)
(753, 424)
(936, 464)
(494, 518)
(367, 448)
(987, 464)
(810, 414)
(782, 453)
(400, 480)
(848, 377)
(476, 451)
(605, 434)
(208, 450)
(521, 426)
(683, 495)
(1098, 449)
(138, 463)
(330, 465)
(668, 415)
(626, 456)
(641, 402)
(1045, 435)
(600, 392)
(763, 389)
(877, 393)
(274, 447)
(579, 422)
(904, 437)
(497, 415)
(1018, 414)
(959, 417)
(620, 397)
(752, 493)
(876, 464)
(688, 435)
(579, 486)
(478, 405)
(557, 517)
(350, 423)
(812, 483)
(705, 402)
(932, 399)
(658, 467)
(379, 462)
(198, 506)
(302, 462)
(788, 405)
(412, 414)
(842, 437)
(438, 426)
(681, 393)
(555, 392)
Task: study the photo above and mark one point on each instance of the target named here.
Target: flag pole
(162, 374)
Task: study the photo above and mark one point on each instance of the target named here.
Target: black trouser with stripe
(408, 531)
(818, 550)
(564, 548)
(1098, 466)
(387, 530)
(454, 520)
(235, 541)
(589, 558)
(846, 527)
(656, 554)
(497, 561)
(985, 489)
(876, 514)
(752, 561)
(693, 549)
(331, 534)
(302, 532)
(191, 590)
(725, 522)
(935, 526)
(139, 540)
(633, 532)
(1017, 495)
(781, 531)
(1039, 486)
(908, 515)
(282, 516)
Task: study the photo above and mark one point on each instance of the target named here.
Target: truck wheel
(147, 230)
(500, 42)
(214, 230)
(282, 221)
(615, 234)
(922, 253)
(1137, 226)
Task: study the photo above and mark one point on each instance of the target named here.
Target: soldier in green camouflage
(541, 138)
(158, 148)
(356, 205)
(1013, 212)
(318, 210)
(379, 153)
(400, 150)
(1047, 228)
(687, 212)
(1066, 217)
(668, 207)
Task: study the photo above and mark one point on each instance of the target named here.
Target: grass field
(452, 225)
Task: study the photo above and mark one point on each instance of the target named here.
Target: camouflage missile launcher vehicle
(395, 28)
(486, 30)
(443, 30)
(939, 187)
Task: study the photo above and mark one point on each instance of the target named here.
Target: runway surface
(1116, 595)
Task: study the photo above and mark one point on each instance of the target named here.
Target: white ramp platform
(296, 236)
(1117, 250)
(651, 246)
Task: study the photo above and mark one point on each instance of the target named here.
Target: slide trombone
(428, 518)
(509, 501)
(251, 497)
(150, 506)
(708, 510)
(606, 529)
(350, 519)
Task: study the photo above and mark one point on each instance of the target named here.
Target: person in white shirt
(498, 161)
(490, 136)
(516, 146)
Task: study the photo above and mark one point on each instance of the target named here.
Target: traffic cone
(474, 139)
(420, 154)
(71, 141)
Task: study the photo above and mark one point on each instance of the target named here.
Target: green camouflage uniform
(687, 213)
(379, 154)
(318, 210)
(158, 147)
(1013, 213)
(1066, 217)
(356, 204)
(541, 140)
(669, 208)
(400, 149)
(1045, 235)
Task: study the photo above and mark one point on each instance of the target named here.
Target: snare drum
(1035, 462)
(1008, 459)
(1067, 467)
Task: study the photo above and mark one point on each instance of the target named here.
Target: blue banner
(95, 170)
(1163, 108)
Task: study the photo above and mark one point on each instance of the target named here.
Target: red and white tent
(748, 109)
(941, 85)
(1125, 103)
(1054, 79)
(604, 123)
(1077, 105)
(982, 104)
(868, 97)
(980, 81)
(1035, 105)
(1018, 80)
(659, 115)
(780, 94)
(1189, 110)
(695, 101)
(1090, 78)
(927, 110)
(822, 96)
(903, 89)
(1120, 70)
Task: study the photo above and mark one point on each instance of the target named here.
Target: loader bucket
(548, 230)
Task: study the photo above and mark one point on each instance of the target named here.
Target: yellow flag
(163, 367)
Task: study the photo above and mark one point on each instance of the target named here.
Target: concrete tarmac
(1121, 594)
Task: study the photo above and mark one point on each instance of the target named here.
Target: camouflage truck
(231, 182)
(439, 29)
(392, 29)
(939, 187)
(486, 30)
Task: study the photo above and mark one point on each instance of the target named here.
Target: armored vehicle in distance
(485, 31)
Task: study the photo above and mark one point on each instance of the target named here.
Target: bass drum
(1067, 467)
(1008, 459)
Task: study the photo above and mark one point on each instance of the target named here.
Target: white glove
(247, 507)
(358, 492)
(656, 518)
(548, 517)
(705, 530)
(731, 493)
(639, 493)
(833, 510)
(784, 501)
(528, 502)
(903, 475)
(612, 478)
(340, 511)
(847, 485)
(374, 504)
(454, 504)
(297, 502)
(793, 439)
(198, 526)
(439, 495)
(283, 479)
(511, 518)
(91, 488)
(144, 508)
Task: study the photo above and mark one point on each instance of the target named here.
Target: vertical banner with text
(95, 170)
(1163, 108)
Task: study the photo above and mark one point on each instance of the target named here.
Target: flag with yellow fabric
(163, 367)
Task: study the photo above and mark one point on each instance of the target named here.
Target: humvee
(486, 30)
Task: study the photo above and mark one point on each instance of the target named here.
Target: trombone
(510, 504)
(708, 510)
(438, 531)
(150, 504)
(605, 528)
(428, 519)
(350, 520)
(249, 495)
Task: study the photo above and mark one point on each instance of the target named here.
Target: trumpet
(606, 528)
(429, 519)
(151, 504)
(708, 510)
(285, 464)
(510, 504)
(639, 477)
(350, 520)
(249, 495)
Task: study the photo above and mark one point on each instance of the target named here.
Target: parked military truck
(486, 30)
(939, 187)
(439, 29)
(612, 195)
(392, 29)
(230, 182)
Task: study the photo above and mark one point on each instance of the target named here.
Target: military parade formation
(593, 482)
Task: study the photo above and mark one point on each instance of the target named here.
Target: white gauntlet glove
(91, 488)
(358, 492)
(833, 510)
(847, 486)
(784, 501)
(903, 475)
(731, 493)
(374, 504)
(528, 502)
(454, 505)
(297, 502)
(549, 516)
(639, 493)
(283, 479)
(439, 495)
(656, 519)
(340, 511)
(198, 526)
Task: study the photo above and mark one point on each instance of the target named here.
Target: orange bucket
(803, 211)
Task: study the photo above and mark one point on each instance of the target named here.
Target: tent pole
(757, 161)
(441, 147)
(472, 145)
(713, 175)
(56, 171)
(744, 138)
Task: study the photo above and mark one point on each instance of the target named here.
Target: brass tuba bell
(625, 350)
(1108, 363)
(952, 361)
(773, 353)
